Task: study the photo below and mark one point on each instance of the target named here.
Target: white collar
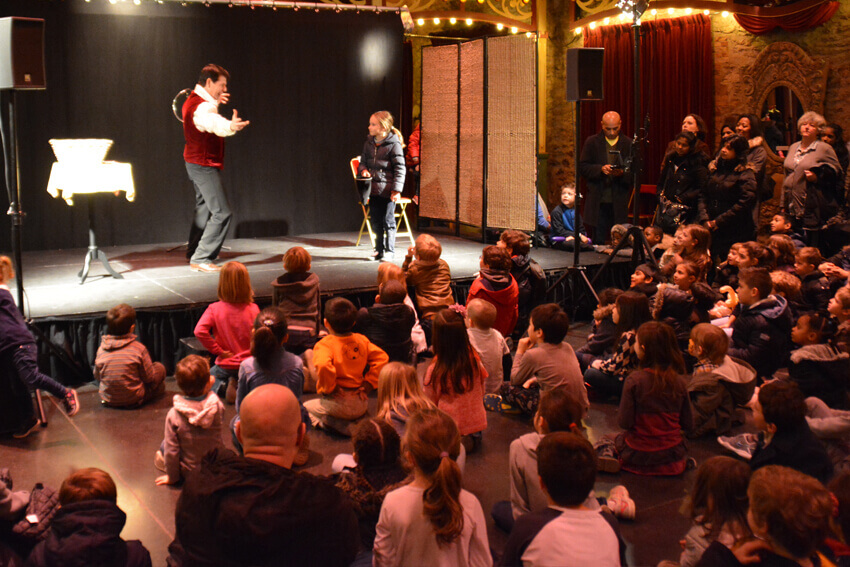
(202, 92)
(4, 286)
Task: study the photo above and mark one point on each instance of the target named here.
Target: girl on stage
(383, 161)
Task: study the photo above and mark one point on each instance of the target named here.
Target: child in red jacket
(496, 285)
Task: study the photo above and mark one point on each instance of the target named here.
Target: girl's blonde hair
(385, 119)
(399, 391)
(433, 440)
(234, 284)
(7, 272)
(843, 297)
(388, 271)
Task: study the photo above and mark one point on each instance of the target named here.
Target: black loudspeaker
(22, 54)
(584, 73)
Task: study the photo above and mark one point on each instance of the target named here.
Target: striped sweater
(122, 367)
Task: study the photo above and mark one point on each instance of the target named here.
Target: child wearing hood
(193, 425)
(496, 285)
(297, 293)
(818, 368)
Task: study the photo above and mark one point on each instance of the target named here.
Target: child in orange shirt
(341, 361)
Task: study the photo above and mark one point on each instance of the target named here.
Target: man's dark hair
(341, 314)
(120, 319)
(212, 71)
(552, 320)
(393, 291)
(566, 463)
(783, 405)
(758, 278)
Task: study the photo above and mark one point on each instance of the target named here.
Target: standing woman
(383, 161)
(726, 205)
(809, 193)
(682, 180)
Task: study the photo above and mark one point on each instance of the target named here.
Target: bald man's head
(270, 427)
(611, 125)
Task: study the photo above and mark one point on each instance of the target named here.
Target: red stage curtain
(804, 20)
(677, 76)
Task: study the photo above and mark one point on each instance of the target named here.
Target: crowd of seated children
(272, 363)
(496, 285)
(431, 277)
(347, 367)
(603, 333)
(566, 532)
(543, 362)
(454, 380)
(193, 424)
(225, 327)
(719, 383)
(654, 409)
(432, 520)
(489, 343)
(126, 375)
(605, 377)
(717, 507)
(297, 293)
(564, 222)
(388, 324)
(18, 357)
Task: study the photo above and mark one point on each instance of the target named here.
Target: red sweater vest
(202, 148)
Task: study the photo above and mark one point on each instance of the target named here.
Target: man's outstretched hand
(237, 123)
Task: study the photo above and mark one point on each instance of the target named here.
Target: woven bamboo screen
(511, 133)
(471, 166)
(438, 170)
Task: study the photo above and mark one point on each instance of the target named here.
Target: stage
(169, 298)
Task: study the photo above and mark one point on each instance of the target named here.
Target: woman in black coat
(383, 161)
(726, 205)
(682, 180)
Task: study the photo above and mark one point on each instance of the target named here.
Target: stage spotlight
(653, 12)
(469, 21)
(420, 22)
(606, 21)
(670, 11)
(724, 13)
(452, 21)
(706, 12)
(514, 30)
(688, 11)
(113, 2)
(578, 30)
(500, 27)
(528, 34)
(436, 21)
(137, 2)
(592, 25)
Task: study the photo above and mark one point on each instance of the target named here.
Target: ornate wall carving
(787, 64)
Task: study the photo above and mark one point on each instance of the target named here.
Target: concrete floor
(123, 443)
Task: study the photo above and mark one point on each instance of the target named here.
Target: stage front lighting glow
(373, 54)
(725, 14)
(670, 10)
(653, 11)
(606, 21)
(706, 12)
(688, 11)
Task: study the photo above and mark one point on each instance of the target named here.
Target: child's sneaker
(492, 402)
(71, 403)
(159, 461)
(607, 459)
(742, 445)
(27, 429)
(621, 505)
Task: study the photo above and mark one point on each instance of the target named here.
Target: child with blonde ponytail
(432, 521)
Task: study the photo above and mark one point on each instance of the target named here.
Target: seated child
(488, 343)
(341, 360)
(832, 427)
(815, 285)
(675, 307)
(271, 363)
(650, 445)
(123, 368)
(193, 424)
(376, 471)
(455, 378)
(751, 254)
(784, 251)
(496, 285)
(388, 271)
(400, 395)
(839, 307)
(297, 293)
(818, 368)
(645, 280)
(779, 411)
(693, 243)
(788, 286)
(719, 383)
(717, 506)
(789, 515)
(530, 277)
(618, 233)
(673, 250)
(431, 278)
(557, 411)
(605, 376)
(389, 322)
(88, 526)
(762, 330)
(655, 238)
(567, 532)
(543, 363)
(603, 335)
(432, 520)
(726, 273)
(226, 326)
(781, 224)
(564, 222)
(19, 357)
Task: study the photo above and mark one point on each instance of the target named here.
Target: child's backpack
(532, 284)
